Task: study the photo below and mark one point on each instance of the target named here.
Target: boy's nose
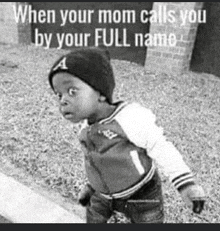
(63, 101)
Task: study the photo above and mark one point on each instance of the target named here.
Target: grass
(38, 147)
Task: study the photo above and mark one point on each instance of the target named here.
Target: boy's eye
(72, 91)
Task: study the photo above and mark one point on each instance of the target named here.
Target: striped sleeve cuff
(183, 180)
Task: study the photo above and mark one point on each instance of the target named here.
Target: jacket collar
(120, 106)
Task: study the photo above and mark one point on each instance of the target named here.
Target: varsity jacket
(120, 152)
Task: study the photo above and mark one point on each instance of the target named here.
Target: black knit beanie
(91, 65)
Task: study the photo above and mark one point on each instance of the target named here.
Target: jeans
(144, 206)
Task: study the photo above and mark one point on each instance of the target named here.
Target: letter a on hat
(61, 65)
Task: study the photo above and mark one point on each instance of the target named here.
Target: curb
(20, 204)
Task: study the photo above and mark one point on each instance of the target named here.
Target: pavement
(20, 204)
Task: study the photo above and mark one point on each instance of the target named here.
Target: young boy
(121, 142)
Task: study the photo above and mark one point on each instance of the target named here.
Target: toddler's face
(78, 101)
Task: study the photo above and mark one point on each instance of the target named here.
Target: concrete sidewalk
(19, 204)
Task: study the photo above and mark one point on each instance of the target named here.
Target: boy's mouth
(68, 115)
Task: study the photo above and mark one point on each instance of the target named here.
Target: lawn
(40, 149)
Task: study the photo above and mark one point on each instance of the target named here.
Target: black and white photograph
(109, 112)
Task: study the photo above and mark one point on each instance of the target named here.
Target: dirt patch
(7, 66)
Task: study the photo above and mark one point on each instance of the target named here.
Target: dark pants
(145, 206)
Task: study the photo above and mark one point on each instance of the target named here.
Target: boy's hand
(194, 196)
(85, 195)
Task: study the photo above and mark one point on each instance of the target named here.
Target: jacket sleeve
(139, 124)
